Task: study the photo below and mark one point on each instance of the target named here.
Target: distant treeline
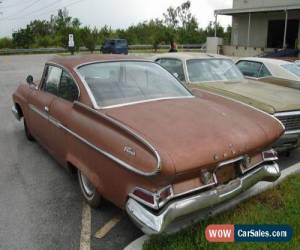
(178, 24)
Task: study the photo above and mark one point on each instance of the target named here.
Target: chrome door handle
(46, 109)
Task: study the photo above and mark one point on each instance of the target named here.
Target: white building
(260, 25)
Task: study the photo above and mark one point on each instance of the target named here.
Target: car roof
(274, 66)
(71, 62)
(189, 55)
(265, 60)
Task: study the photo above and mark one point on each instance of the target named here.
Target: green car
(219, 74)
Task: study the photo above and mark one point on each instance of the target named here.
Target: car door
(60, 115)
(40, 101)
(174, 66)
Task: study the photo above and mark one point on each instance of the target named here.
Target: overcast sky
(115, 13)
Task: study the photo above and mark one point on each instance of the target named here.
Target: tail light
(154, 200)
(270, 155)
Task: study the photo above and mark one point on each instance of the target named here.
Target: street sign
(71, 41)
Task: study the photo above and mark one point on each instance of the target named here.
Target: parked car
(137, 137)
(271, 70)
(219, 74)
(115, 46)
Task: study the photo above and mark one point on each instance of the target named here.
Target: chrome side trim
(108, 155)
(134, 134)
(155, 223)
(41, 113)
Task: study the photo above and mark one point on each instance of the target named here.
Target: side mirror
(29, 79)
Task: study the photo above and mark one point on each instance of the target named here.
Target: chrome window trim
(93, 100)
(105, 153)
(144, 101)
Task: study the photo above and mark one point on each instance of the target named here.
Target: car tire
(27, 132)
(89, 191)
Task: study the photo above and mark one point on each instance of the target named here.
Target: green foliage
(178, 24)
(23, 38)
(6, 43)
(89, 38)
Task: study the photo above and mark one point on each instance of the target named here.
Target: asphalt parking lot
(40, 202)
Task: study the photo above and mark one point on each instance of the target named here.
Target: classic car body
(218, 74)
(159, 156)
(274, 71)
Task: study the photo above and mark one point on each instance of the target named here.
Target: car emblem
(129, 150)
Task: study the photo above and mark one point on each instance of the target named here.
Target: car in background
(218, 74)
(274, 71)
(115, 46)
(138, 138)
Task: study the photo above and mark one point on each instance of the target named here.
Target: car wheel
(88, 190)
(27, 132)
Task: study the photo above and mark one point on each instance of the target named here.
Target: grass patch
(280, 205)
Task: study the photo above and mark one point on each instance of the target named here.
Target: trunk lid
(196, 132)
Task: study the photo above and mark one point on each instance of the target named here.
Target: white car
(271, 70)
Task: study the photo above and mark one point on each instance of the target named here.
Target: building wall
(259, 27)
(238, 4)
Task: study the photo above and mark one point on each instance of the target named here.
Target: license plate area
(226, 173)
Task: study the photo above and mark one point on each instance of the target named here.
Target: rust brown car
(138, 138)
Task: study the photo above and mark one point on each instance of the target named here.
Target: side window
(67, 88)
(52, 79)
(249, 68)
(264, 72)
(173, 66)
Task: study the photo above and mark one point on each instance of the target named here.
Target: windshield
(114, 83)
(292, 68)
(202, 70)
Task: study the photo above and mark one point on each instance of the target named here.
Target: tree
(23, 38)
(89, 38)
(171, 17)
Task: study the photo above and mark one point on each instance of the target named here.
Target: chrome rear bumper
(154, 223)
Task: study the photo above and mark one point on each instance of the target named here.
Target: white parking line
(103, 231)
(85, 236)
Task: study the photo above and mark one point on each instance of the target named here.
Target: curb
(256, 189)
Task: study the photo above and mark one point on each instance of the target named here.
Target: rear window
(115, 83)
(292, 68)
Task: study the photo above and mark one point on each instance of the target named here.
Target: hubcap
(87, 185)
